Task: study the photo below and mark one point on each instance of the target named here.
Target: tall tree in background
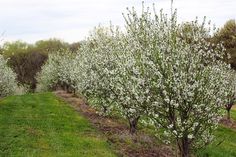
(51, 45)
(227, 35)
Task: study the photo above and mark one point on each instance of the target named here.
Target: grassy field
(41, 125)
(224, 144)
(233, 114)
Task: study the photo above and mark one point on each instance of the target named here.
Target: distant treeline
(26, 59)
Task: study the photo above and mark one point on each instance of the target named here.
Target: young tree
(8, 82)
(115, 74)
(94, 62)
(48, 77)
(189, 80)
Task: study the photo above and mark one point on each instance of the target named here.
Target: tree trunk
(228, 114)
(228, 108)
(68, 88)
(133, 125)
(64, 87)
(183, 145)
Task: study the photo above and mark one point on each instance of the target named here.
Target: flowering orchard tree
(131, 82)
(157, 68)
(189, 80)
(115, 74)
(67, 71)
(48, 77)
(128, 84)
(94, 62)
(8, 82)
(58, 71)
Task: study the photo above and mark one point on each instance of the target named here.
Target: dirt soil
(228, 123)
(117, 133)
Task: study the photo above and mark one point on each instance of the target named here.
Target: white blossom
(8, 83)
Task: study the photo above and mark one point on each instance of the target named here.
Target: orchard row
(154, 71)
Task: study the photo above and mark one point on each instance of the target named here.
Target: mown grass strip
(42, 125)
(224, 144)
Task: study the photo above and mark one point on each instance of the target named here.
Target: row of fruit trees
(153, 71)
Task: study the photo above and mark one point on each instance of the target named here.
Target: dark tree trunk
(133, 125)
(228, 114)
(68, 88)
(228, 108)
(183, 145)
(64, 86)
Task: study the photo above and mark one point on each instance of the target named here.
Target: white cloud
(71, 20)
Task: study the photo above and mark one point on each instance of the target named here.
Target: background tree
(50, 45)
(74, 47)
(11, 48)
(26, 59)
(227, 35)
(26, 65)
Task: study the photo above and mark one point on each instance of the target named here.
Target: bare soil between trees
(139, 145)
(228, 123)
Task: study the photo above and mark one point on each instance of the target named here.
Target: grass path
(41, 125)
(224, 144)
(233, 113)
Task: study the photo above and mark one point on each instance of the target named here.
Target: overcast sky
(71, 20)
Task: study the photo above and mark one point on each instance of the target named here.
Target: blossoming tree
(58, 71)
(8, 82)
(113, 74)
(169, 73)
(189, 80)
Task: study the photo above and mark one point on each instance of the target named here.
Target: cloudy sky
(71, 20)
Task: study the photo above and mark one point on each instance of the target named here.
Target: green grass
(224, 144)
(41, 125)
(227, 148)
(233, 114)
